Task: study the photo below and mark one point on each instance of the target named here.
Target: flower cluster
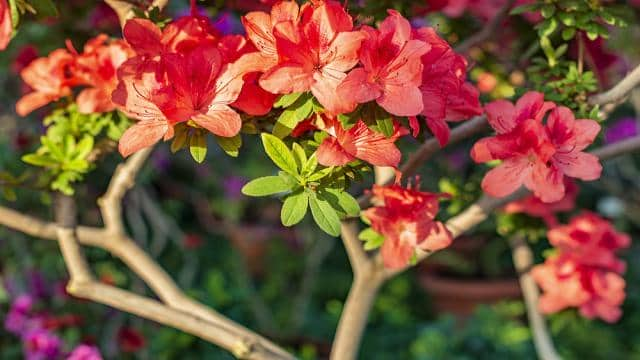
(585, 272)
(533, 206)
(405, 217)
(535, 154)
(36, 331)
(53, 77)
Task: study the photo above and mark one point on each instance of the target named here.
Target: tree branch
(523, 261)
(488, 31)
(619, 91)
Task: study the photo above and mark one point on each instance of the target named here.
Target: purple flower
(228, 23)
(41, 344)
(620, 130)
(38, 284)
(232, 186)
(161, 161)
(18, 317)
(85, 352)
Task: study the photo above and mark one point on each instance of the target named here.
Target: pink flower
(585, 271)
(359, 142)
(534, 154)
(315, 54)
(391, 69)
(405, 217)
(96, 67)
(85, 352)
(533, 206)
(50, 78)
(445, 95)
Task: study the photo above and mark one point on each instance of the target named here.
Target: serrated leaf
(294, 208)
(230, 145)
(265, 186)
(286, 100)
(198, 146)
(325, 216)
(279, 153)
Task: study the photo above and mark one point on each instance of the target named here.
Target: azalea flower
(592, 239)
(96, 67)
(51, 78)
(391, 71)
(565, 283)
(260, 25)
(358, 142)
(533, 206)
(534, 154)
(194, 87)
(405, 217)
(584, 273)
(6, 25)
(85, 352)
(445, 95)
(314, 54)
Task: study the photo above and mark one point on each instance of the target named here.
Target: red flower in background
(533, 206)
(359, 142)
(96, 67)
(445, 95)
(585, 273)
(6, 25)
(51, 78)
(314, 54)
(405, 217)
(535, 155)
(391, 69)
(130, 339)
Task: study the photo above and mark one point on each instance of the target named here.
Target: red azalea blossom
(405, 217)
(534, 154)
(533, 206)
(96, 67)
(445, 95)
(585, 273)
(314, 54)
(391, 69)
(180, 74)
(50, 78)
(6, 25)
(359, 142)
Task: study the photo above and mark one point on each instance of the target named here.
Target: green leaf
(547, 11)
(39, 160)
(287, 100)
(265, 186)
(180, 140)
(198, 146)
(15, 14)
(547, 27)
(84, 147)
(342, 202)
(294, 208)
(44, 8)
(568, 33)
(523, 9)
(293, 115)
(279, 153)
(325, 216)
(320, 174)
(230, 145)
(384, 122)
(300, 154)
(310, 165)
(372, 239)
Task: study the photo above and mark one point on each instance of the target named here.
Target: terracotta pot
(461, 296)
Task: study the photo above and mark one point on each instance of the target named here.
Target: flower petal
(501, 116)
(505, 178)
(221, 120)
(331, 153)
(579, 165)
(141, 135)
